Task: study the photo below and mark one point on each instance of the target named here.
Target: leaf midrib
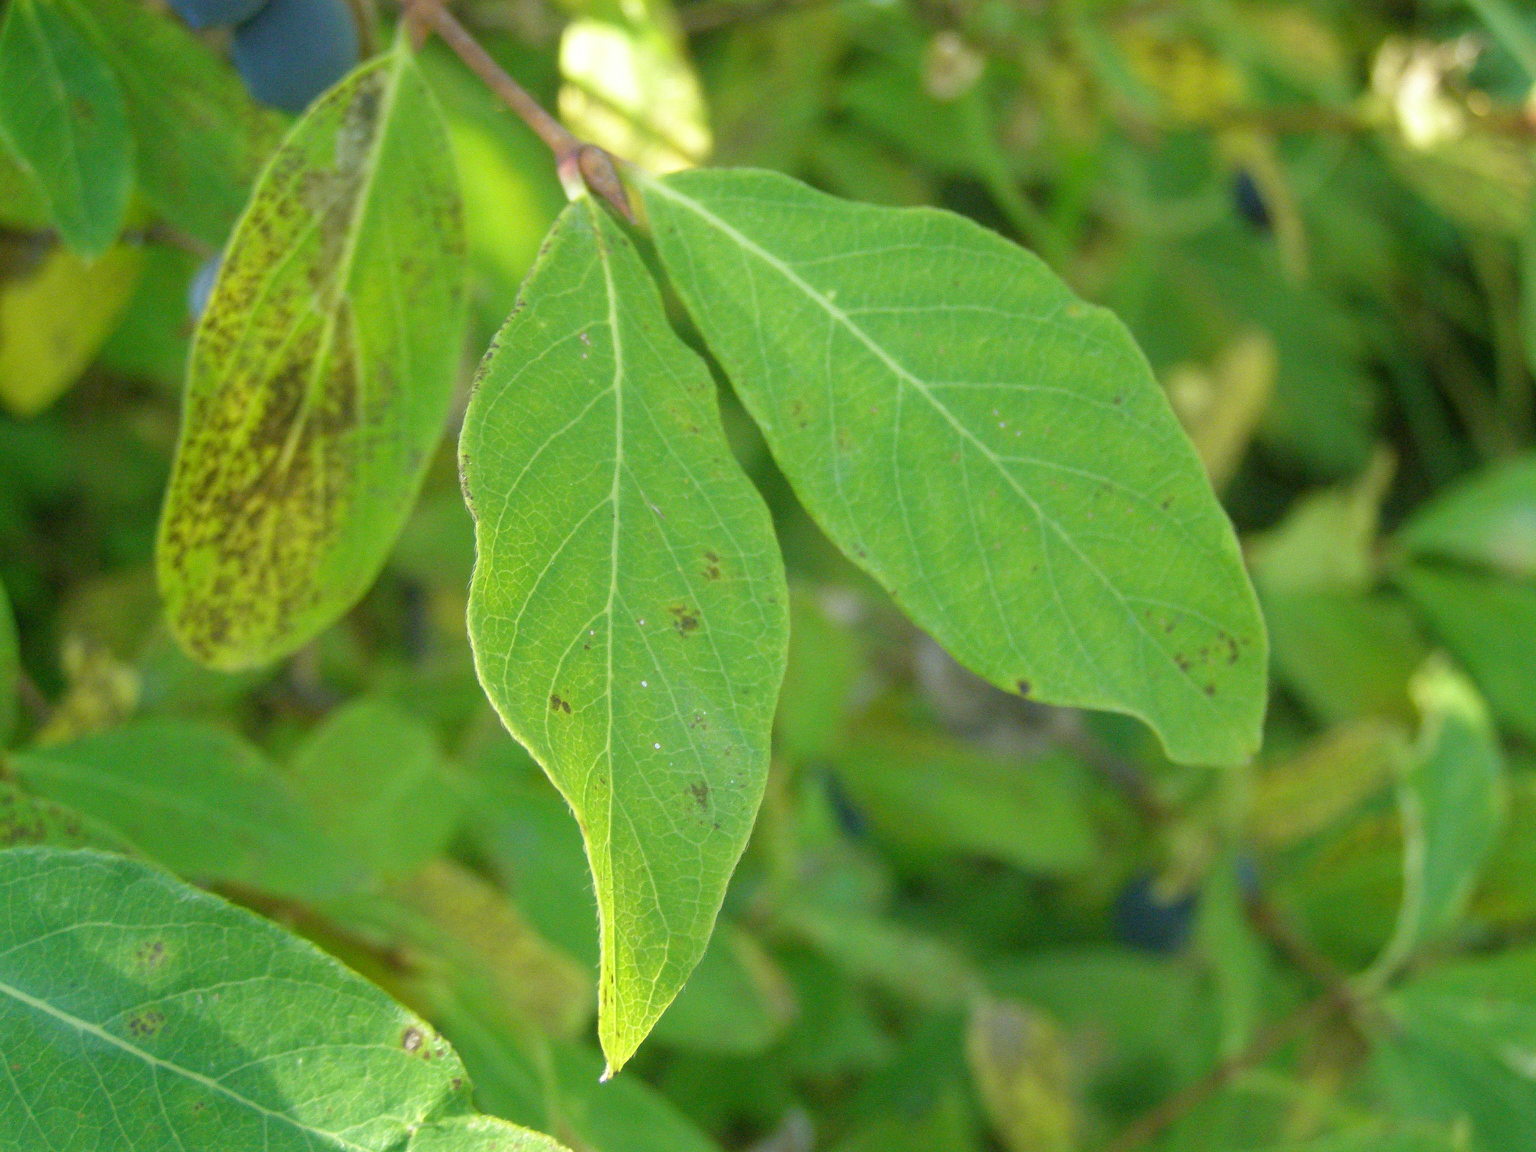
(609, 938)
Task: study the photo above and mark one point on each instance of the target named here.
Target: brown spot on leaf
(411, 1039)
(146, 1023)
(556, 704)
(151, 954)
(1025, 688)
(700, 793)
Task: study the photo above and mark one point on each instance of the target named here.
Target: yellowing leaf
(320, 374)
(1329, 778)
(1221, 408)
(482, 939)
(56, 309)
(1018, 1056)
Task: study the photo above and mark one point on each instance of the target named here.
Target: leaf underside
(628, 609)
(993, 450)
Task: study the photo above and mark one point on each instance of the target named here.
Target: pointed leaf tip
(628, 610)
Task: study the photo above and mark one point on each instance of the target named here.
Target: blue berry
(293, 50)
(850, 817)
(1250, 202)
(201, 288)
(214, 13)
(1145, 919)
(1250, 880)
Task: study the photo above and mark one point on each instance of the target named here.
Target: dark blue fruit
(293, 50)
(1250, 880)
(850, 817)
(1144, 918)
(1250, 202)
(213, 13)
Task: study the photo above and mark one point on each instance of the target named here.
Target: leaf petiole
(581, 165)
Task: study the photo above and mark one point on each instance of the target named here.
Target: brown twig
(1186, 1100)
(579, 163)
(367, 23)
(1125, 776)
(1270, 923)
(1338, 999)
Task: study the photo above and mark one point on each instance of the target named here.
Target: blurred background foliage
(966, 922)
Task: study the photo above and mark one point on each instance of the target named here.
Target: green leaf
(1323, 782)
(1511, 27)
(320, 375)
(196, 798)
(10, 670)
(943, 796)
(628, 608)
(994, 451)
(824, 664)
(159, 1018)
(28, 819)
(1489, 624)
(555, 1086)
(1327, 542)
(63, 115)
(22, 205)
(200, 137)
(1373, 1140)
(921, 1100)
(911, 964)
(737, 1002)
(376, 782)
(1234, 954)
(523, 830)
(1344, 654)
(1488, 519)
(1528, 290)
(1461, 1050)
(1452, 804)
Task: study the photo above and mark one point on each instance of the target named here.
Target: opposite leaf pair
(992, 450)
(989, 448)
